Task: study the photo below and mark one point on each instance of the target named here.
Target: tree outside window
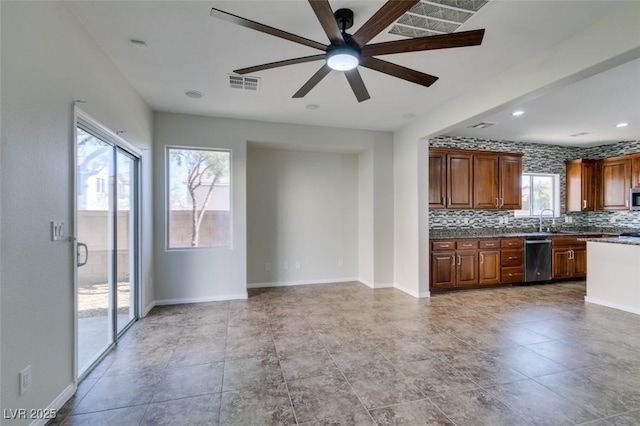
(199, 198)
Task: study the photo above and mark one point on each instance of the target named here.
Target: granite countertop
(506, 233)
(634, 241)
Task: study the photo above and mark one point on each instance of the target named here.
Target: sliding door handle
(86, 253)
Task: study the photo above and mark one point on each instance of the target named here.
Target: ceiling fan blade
(357, 85)
(277, 64)
(398, 71)
(265, 29)
(323, 12)
(444, 41)
(385, 16)
(311, 83)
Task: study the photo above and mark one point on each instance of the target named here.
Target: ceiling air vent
(482, 125)
(433, 17)
(246, 83)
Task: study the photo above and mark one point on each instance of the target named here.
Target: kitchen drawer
(511, 257)
(489, 244)
(568, 241)
(512, 243)
(512, 274)
(466, 244)
(443, 245)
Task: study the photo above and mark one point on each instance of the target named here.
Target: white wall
(183, 276)
(301, 209)
(366, 248)
(48, 60)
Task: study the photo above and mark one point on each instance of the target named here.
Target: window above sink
(540, 191)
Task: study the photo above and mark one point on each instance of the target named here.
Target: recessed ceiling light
(517, 113)
(138, 43)
(312, 106)
(194, 94)
(622, 124)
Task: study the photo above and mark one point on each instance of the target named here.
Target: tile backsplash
(537, 158)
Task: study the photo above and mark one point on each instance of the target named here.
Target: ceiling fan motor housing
(344, 18)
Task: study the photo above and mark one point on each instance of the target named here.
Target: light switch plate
(57, 231)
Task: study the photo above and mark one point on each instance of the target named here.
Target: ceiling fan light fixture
(343, 58)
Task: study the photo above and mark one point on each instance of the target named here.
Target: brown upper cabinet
(510, 188)
(581, 185)
(450, 179)
(496, 181)
(466, 179)
(437, 179)
(615, 178)
(635, 170)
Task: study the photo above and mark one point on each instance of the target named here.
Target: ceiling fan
(346, 52)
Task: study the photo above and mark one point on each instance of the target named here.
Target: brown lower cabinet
(569, 258)
(511, 260)
(470, 262)
(489, 262)
(459, 263)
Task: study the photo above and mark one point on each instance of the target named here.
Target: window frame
(167, 198)
(555, 197)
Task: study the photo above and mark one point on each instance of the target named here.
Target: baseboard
(304, 282)
(612, 305)
(415, 294)
(57, 403)
(148, 309)
(375, 286)
(180, 301)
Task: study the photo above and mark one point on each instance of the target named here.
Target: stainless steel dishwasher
(537, 259)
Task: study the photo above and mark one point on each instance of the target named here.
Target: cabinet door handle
(467, 245)
(459, 260)
(501, 202)
(481, 258)
(626, 203)
(584, 204)
(489, 244)
(497, 202)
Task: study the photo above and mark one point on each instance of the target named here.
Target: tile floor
(345, 354)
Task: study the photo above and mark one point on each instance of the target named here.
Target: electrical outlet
(25, 379)
(57, 231)
(267, 266)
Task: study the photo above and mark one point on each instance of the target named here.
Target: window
(198, 198)
(539, 192)
(100, 186)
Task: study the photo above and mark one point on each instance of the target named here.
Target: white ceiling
(187, 49)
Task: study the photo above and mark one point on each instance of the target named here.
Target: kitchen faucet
(553, 217)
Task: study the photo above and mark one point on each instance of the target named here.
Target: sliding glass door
(106, 241)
